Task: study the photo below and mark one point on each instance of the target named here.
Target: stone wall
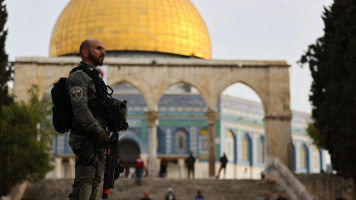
(327, 186)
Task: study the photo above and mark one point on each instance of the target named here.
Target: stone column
(211, 117)
(58, 167)
(278, 143)
(151, 117)
(24, 78)
(181, 164)
(72, 167)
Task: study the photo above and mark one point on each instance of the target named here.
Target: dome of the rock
(163, 26)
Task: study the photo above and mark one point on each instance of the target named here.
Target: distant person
(138, 169)
(199, 196)
(223, 162)
(170, 195)
(163, 168)
(146, 196)
(190, 164)
(245, 170)
(267, 196)
(281, 196)
(263, 175)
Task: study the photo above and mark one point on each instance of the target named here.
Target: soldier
(189, 161)
(88, 138)
(223, 162)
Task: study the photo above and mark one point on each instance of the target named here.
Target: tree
(6, 68)
(314, 133)
(23, 146)
(332, 62)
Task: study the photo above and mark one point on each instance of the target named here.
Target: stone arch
(270, 80)
(250, 86)
(44, 85)
(161, 92)
(141, 92)
(139, 82)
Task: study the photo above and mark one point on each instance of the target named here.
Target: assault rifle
(117, 113)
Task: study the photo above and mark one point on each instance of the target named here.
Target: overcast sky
(239, 29)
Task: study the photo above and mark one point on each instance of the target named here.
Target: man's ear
(85, 53)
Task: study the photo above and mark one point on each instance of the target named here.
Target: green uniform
(90, 161)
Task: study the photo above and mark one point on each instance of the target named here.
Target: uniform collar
(91, 68)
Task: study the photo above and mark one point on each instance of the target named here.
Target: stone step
(184, 189)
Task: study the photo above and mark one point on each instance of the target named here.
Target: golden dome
(166, 26)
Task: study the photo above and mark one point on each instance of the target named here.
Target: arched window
(316, 159)
(180, 141)
(303, 157)
(161, 141)
(246, 149)
(203, 143)
(260, 150)
(230, 146)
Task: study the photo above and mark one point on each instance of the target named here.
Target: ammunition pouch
(116, 114)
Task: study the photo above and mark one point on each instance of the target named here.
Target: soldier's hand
(103, 141)
(125, 125)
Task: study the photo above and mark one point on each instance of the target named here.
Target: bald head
(84, 45)
(93, 52)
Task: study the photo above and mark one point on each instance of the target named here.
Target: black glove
(103, 140)
(125, 125)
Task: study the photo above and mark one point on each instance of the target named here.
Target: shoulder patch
(76, 93)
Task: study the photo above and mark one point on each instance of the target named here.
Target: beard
(96, 60)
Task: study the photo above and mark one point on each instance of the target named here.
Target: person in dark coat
(199, 196)
(190, 164)
(267, 196)
(170, 195)
(223, 161)
(139, 166)
(163, 168)
(281, 196)
(146, 196)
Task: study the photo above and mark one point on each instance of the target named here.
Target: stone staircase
(184, 189)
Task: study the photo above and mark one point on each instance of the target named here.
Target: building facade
(154, 45)
(182, 128)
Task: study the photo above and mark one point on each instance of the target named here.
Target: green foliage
(6, 69)
(23, 145)
(314, 133)
(332, 62)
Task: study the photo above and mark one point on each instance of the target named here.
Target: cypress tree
(6, 68)
(332, 62)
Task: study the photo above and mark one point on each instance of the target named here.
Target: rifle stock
(111, 165)
(117, 123)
